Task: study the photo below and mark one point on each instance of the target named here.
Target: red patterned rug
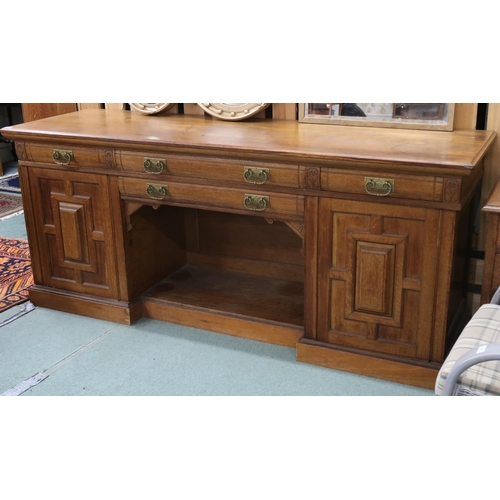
(16, 275)
(10, 205)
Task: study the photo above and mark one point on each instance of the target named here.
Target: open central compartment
(220, 271)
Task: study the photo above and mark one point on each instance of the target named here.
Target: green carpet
(83, 356)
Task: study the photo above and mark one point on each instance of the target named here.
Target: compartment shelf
(232, 293)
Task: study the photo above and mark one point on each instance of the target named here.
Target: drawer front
(427, 188)
(69, 156)
(234, 171)
(235, 200)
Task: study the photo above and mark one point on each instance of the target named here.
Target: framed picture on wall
(427, 116)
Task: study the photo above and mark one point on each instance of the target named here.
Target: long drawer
(235, 171)
(236, 200)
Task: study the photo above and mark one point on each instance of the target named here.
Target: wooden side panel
(447, 232)
(193, 109)
(174, 110)
(154, 247)
(37, 111)
(491, 167)
(88, 105)
(491, 215)
(115, 105)
(491, 258)
(284, 111)
(465, 116)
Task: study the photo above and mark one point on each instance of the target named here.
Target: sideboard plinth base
(330, 357)
(114, 311)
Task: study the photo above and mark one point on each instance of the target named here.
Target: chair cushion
(482, 379)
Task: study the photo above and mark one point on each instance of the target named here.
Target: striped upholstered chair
(472, 367)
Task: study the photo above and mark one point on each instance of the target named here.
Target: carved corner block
(451, 190)
(107, 156)
(313, 178)
(21, 151)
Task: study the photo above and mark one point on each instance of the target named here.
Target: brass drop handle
(256, 203)
(157, 191)
(154, 165)
(255, 175)
(62, 156)
(379, 187)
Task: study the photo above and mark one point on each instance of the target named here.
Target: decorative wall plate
(238, 111)
(151, 108)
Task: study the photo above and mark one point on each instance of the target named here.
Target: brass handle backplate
(157, 191)
(256, 202)
(62, 156)
(255, 175)
(379, 187)
(154, 165)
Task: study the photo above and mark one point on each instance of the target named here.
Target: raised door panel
(74, 231)
(376, 276)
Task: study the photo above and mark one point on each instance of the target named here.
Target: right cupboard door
(377, 268)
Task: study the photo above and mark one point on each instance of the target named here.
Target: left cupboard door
(72, 223)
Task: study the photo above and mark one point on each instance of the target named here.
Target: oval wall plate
(237, 111)
(151, 108)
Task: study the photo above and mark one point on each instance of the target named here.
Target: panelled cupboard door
(74, 233)
(377, 267)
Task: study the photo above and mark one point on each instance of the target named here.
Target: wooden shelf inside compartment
(233, 293)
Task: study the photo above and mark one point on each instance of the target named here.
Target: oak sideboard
(349, 244)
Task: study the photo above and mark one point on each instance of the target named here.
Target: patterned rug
(15, 272)
(10, 184)
(10, 205)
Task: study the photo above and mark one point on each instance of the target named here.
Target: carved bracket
(131, 208)
(296, 227)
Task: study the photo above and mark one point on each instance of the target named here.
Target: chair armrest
(487, 352)
(496, 297)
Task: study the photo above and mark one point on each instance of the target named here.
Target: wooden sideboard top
(261, 138)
